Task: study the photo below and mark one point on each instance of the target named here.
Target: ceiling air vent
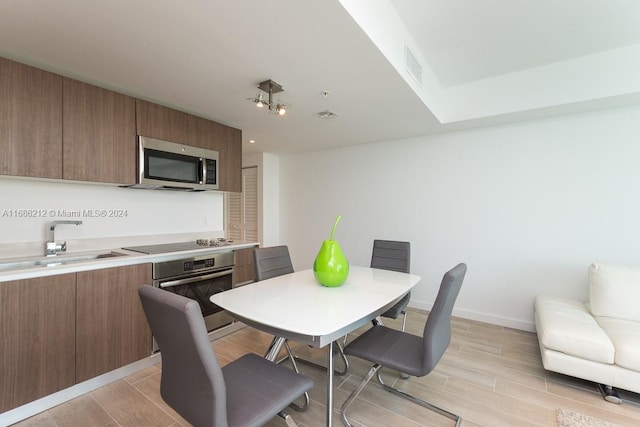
(326, 114)
(413, 66)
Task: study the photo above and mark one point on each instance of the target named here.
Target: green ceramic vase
(331, 267)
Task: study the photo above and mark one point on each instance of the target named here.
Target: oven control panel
(199, 264)
(192, 265)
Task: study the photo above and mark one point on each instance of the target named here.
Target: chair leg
(272, 354)
(456, 418)
(373, 371)
(295, 368)
(404, 320)
(287, 419)
(404, 325)
(343, 357)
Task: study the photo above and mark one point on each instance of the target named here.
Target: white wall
(528, 206)
(27, 206)
(271, 196)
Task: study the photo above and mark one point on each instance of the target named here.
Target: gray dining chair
(272, 262)
(247, 392)
(275, 261)
(415, 355)
(396, 256)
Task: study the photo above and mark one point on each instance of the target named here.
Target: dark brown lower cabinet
(244, 270)
(112, 330)
(37, 338)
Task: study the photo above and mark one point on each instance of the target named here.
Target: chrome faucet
(53, 248)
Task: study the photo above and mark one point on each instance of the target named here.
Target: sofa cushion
(567, 326)
(625, 335)
(614, 291)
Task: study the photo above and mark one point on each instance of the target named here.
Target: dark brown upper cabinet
(55, 127)
(30, 121)
(99, 134)
(157, 121)
(229, 146)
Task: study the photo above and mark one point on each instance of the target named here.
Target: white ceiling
(483, 62)
(469, 40)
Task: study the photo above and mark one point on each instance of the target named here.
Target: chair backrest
(437, 330)
(271, 262)
(192, 382)
(391, 255)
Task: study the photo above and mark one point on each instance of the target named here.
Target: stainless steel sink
(52, 261)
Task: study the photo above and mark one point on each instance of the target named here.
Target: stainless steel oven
(198, 277)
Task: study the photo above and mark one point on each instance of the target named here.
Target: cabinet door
(244, 270)
(99, 134)
(37, 338)
(156, 121)
(112, 330)
(228, 143)
(30, 121)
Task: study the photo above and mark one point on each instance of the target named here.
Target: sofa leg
(609, 393)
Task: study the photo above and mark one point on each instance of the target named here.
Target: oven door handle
(195, 279)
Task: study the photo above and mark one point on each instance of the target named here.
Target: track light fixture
(270, 87)
(259, 102)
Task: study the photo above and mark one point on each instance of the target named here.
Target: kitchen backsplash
(27, 207)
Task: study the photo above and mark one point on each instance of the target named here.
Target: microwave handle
(195, 279)
(202, 170)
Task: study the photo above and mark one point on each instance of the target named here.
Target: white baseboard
(492, 319)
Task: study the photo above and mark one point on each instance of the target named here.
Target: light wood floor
(492, 376)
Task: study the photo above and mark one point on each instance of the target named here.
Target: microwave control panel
(211, 171)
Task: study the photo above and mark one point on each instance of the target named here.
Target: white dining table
(296, 307)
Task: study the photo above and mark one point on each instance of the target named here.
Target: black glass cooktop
(177, 247)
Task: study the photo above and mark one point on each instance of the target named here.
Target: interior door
(242, 208)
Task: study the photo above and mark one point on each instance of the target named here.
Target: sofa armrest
(566, 326)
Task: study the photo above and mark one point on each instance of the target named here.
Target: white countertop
(129, 258)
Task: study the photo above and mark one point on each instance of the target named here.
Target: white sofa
(598, 340)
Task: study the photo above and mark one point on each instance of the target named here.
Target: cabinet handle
(195, 279)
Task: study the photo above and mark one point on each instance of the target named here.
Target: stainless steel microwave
(172, 166)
